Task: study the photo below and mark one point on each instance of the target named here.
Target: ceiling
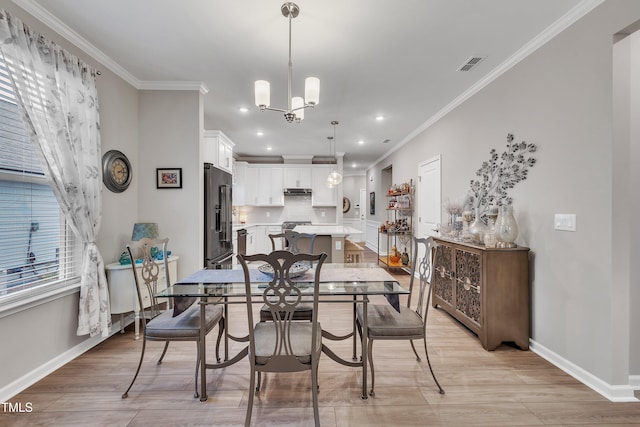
(394, 58)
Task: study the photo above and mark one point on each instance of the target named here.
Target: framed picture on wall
(169, 178)
(372, 203)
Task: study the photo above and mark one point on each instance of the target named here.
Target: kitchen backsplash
(295, 209)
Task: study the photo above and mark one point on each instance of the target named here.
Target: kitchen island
(330, 239)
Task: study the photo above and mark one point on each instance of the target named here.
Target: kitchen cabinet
(239, 181)
(321, 194)
(263, 242)
(486, 289)
(122, 289)
(218, 150)
(225, 154)
(234, 242)
(250, 186)
(297, 177)
(258, 238)
(251, 240)
(263, 186)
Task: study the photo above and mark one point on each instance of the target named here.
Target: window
(36, 245)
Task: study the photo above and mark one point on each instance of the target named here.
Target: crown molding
(569, 18)
(66, 32)
(160, 85)
(70, 35)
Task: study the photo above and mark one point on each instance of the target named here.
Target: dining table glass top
(335, 279)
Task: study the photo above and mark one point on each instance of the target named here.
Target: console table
(122, 291)
(486, 289)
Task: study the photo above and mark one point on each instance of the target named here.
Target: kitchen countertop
(238, 226)
(328, 230)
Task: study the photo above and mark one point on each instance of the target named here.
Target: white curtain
(58, 98)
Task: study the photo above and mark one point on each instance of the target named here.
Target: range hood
(297, 191)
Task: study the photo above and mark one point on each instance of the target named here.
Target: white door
(363, 214)
(429, 197)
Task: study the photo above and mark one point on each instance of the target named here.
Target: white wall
(351, 189)
(171, 128)
(560, 98)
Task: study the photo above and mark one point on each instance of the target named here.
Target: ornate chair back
(145, 255)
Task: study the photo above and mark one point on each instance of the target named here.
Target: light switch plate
(564, 222)
(338, 245)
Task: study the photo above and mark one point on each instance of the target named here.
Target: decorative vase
(466, 235)
(405, 257)
(478, 228)
(506, 228)
(490, 235)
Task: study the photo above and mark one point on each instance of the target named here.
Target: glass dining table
(339, 283)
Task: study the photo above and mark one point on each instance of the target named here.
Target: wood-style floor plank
(505, 387)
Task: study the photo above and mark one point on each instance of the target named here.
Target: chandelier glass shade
(295, 105)
(334, 177)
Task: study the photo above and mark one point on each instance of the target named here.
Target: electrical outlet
(268, 214)
(564, 222)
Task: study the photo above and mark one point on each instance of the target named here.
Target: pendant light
(295, 105)
(334, 177)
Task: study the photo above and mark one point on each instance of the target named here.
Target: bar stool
(353, 252)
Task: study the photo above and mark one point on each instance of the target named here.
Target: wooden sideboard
(486, 289)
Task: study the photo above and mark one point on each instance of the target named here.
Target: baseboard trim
(615, 393)
(27, 380)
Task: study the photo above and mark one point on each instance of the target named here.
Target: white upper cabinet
(263, 185)
(321, 194)
(239, 183)
(250, 186)
(297, 176)
(218, 150)
(270, 186)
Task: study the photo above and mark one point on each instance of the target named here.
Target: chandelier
(295, 105)
(334, 177)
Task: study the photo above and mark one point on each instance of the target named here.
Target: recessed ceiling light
(353, 165)
(379, 118)
(361, 142)
(243, 109)
(259, 133)
(269, 148)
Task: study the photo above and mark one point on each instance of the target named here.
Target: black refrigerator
(218, 243)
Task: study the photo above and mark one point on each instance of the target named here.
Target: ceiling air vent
(471, 63)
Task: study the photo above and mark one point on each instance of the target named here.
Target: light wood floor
(506, 387)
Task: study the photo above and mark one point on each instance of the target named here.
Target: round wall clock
(116, 171)
(346, 205)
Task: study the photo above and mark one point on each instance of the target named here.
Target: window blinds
(36, 247)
